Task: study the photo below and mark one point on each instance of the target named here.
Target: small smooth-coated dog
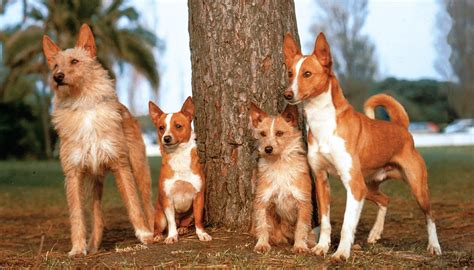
(361, 150)
(97, 134)
(282, 203)
(181, 185)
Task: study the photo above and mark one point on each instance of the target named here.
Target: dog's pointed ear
(86, 40)
(188, 108)
(155, 112)
(322, 51)
(290, 49)
(290, 114)
(256, 114)
(50, 49)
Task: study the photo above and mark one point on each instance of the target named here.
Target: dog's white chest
(327, 151)
(90, 135)
(180, 164)
(282, 185)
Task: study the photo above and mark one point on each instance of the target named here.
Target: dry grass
(32, 205)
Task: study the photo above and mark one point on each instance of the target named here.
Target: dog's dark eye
(74, 61)
(263, 134)
(279, 133)
(290, 74)
(307, 74)
(162, 127)
(56, 66)
(178, 126)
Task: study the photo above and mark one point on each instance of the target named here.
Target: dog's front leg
(128, 191)
(168, 206)
(198, 209)
(356, 192)
(303, 225)
(74, 194)
(97, 217)
(323, 197)
(261, 228)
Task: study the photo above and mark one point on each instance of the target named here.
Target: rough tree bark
(237, 57)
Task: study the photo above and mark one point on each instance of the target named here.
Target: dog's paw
(434, 249)
(341, 255)
(77, 252)
(158, 238)
(374, 235)
(146, 237)
(171, 239)
(262, 247)
(321, 249)
(300, 248)
(92, 250)
(183, 230)
(203, 236)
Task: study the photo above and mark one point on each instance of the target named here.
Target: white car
(461, 125)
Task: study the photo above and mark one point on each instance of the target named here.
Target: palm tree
(131, 44)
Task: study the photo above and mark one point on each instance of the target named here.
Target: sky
(403, 32)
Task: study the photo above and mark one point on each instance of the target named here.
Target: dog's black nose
(288, 95)
(167, 139)
(268, 149)
(58, 77)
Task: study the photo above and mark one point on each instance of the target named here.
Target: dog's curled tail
(394, 109)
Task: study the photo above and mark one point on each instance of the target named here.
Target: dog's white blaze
(272, 126)
(168, 126)
(294, 84)
(180, 163)
(433, 236)
(377, 229)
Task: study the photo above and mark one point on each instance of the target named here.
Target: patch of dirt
(403, 242)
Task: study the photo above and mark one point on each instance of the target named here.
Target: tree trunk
(237, 57)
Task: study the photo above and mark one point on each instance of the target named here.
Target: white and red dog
(361, 150)
(181, 184)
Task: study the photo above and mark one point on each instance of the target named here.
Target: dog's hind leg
(126, 186)
(414, 170)
(139, 163)
(382, 201)
(160, 222)
(74, 193)
(97, 217)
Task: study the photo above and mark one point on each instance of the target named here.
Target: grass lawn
(33, 203)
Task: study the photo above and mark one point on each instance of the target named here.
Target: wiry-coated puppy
(282, 204)
(361, 150)
(97, 134)
(181, 185)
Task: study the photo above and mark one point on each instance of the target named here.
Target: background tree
(353, 52)
(61, 20)
(461, 40)
(237, 57)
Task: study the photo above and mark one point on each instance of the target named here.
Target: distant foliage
(119, 35)
(424, 100)
(18, 128)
